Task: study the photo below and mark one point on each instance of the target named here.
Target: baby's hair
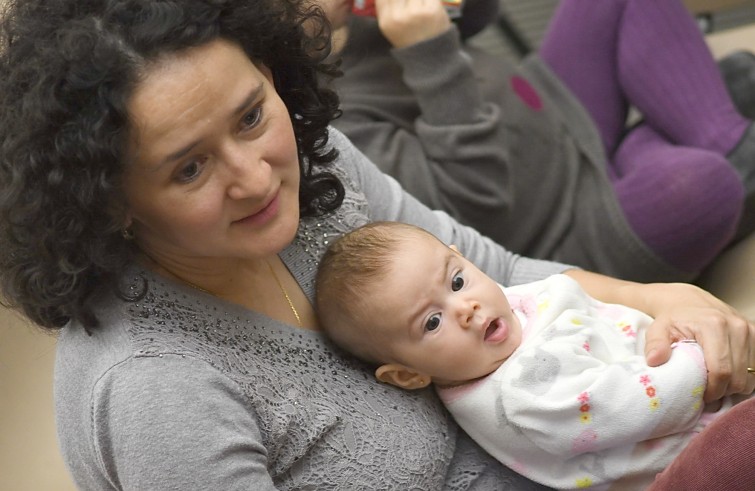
(351, 269)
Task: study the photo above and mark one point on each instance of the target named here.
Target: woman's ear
(128, 220)
(401, 376)
(126, 231)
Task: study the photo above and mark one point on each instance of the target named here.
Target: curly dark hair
(67, 70)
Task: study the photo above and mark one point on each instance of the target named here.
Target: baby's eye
(432, 323)
(457, 282)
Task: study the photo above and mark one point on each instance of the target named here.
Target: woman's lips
(496, 331)
(263, 216)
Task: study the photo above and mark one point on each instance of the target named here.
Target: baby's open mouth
(492, 328)
(497, 331)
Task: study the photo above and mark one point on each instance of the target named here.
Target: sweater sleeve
(458, 133)
(388, 201)
(593, 405)
(171, 422)
(452, 154)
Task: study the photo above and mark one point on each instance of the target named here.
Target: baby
(549, 380)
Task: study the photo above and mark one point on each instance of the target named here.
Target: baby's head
(395, 296)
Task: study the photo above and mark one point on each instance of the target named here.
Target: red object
(364, 7)
(367, 7)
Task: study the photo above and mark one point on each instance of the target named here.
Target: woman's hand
(684, 311)
(408, 22)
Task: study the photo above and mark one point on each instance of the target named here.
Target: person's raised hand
(408, 22)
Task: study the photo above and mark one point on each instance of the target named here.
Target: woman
(538, 156)
(169, 185)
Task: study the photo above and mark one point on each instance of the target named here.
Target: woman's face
(213, 169)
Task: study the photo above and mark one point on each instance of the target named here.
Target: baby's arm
(685, 311)
(591, 405)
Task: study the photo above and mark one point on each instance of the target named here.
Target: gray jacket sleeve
(388, 201)
(451, 155)
(461, 134)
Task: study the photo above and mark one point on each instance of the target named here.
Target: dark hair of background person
(68, 71)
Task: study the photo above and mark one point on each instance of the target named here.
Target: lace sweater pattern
(181, 390)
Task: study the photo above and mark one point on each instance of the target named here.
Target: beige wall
(701, 6)
(725, 42)
(29, 457)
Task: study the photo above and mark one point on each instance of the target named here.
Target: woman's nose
(247, 174)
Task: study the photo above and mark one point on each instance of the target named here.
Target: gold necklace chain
(285, 293)
(272, 271)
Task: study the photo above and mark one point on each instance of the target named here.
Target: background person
(538, 156)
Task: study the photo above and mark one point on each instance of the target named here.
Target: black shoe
(738, 70)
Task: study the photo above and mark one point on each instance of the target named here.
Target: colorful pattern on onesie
(576, 406)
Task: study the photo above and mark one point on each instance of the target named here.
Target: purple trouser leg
(647, 53)
(650, 54)
(686, 217)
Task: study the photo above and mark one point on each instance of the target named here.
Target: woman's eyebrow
(179, 153)
(253, 95)
(248, 100)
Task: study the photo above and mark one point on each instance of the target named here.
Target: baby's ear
(401, 376)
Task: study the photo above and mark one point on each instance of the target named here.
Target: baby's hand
(408, 22)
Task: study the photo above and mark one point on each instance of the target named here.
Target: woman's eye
(252, 118)
(457, 282)
(190, 171)
(432, 323)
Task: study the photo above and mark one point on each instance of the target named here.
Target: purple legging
(678, 191)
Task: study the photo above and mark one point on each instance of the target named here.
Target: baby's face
(442, 316)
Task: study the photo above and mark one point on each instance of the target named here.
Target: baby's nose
(466, 312)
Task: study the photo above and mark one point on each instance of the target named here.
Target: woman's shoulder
(352, 166)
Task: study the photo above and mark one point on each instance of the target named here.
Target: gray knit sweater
(181, 391)
(506, 149)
